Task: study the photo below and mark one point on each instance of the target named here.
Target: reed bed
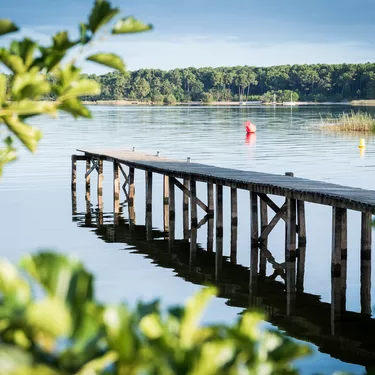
(350, 122)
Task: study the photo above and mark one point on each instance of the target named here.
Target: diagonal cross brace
(94, 166)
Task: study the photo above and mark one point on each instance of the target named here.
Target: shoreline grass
(350, 122)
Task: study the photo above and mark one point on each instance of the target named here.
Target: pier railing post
(338, 274)
(366, 228)
(234, 226)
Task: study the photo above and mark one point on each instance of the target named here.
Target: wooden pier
(185, 174)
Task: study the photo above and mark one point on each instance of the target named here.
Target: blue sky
(218, 33)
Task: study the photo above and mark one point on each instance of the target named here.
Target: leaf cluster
(62, 329)
(37, 71)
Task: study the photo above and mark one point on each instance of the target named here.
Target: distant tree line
(319, 82)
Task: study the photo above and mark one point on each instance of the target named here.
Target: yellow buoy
(362, 143)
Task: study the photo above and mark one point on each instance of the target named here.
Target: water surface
(35, 205)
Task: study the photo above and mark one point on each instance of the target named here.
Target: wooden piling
(254, 250)
(100, 177)
(193, 244)
(131, 195)
(148, 177)
(219, 231)
(166, 203)
(116, 187)
(74, 184)
(171, 206)
(301, 223)
(219, 211)
(366, 240)
(210, 234)
(193, 203)
(210, 198)
(88, 179)
(339, 235)
(263, 226)
(234, 226)
(185, 210)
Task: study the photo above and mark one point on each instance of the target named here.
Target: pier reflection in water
(344, 335)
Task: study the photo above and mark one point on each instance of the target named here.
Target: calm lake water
(36, 212)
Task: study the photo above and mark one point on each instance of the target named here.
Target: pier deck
(289, 187)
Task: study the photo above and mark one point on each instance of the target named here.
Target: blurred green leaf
(61, 41)
(27, 108)
(3, 88)
(28, 135)
(25, 49)
(193, 313)
(50, 316)
(108, 59)
(7, 26)
(62, 277)
(7, 155)
(130, 25)
(75, 108)
(13, 62)
(29, 85)
(13, 288)
(101, 14)
(82, 87)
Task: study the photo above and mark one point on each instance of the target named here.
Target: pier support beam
(338, 274)
(100, 191)
(194, 221)
(366, 228)
(148, 176)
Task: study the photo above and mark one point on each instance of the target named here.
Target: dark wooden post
(254, 250)
(148, 176)
(131, 197)
(88, 178)
(263, 226)
(210, 234)
(74, 184)
(185, 209)
(219, 231)
(366, 227)
(193, 203)
(100, 191)
(171, 212)
(291, 247)
(301, 223)
(339, 235)
(116, 187)
(210, 198)
(166, 203)
(234, 226)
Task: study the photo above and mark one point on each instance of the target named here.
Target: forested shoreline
(319, 82)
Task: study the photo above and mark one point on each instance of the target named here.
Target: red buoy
(250, 127)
